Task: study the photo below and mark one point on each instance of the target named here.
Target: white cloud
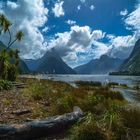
(124, 12)
(28, 17)
(83, 1)
(121, 46)
(13, 5)
(78, 40)
(98, 34)
(44, 30)
(92, 7)
(71, 22)
(78, 7)
(58, 9)
(133, 18)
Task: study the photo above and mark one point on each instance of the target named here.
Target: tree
(18, 37)
(9, 58)
(5, 25)
(4, 64)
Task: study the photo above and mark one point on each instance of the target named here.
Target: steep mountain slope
(51, 63)
(103, 65)
(23, 68)
(132, 64)
(32, 64)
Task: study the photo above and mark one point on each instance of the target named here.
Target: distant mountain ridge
(50, 63)
(103, 65)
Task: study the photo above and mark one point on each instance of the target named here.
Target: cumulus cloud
(133, 18)
(124, 12)
(58, 9)
(92, 7)
(78, 7)
(44, 30)
(83, 1)
(71, 22)
(98, 34)
(12, 5)
(28, 16)
(78, 40)
(121, 46)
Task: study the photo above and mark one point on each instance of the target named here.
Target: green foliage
(12, 73)
(63, 105)
(88, 83)
(131, 117)
(87, 129)
(106, 118)
(8, 64)
(112, 117)
(9, 59)
(113, 84)
(5, 85)
(107, 93)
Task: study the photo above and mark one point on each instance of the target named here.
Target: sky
(80, 30)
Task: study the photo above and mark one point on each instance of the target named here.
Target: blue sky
(80, 30)
(106, 15)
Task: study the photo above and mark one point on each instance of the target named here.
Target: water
(129, 80)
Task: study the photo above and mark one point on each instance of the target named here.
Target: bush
(5, 85)
(114, 95)
(113, 84)
(131, 118)
(12, 72)
(87, 129)
(63, 105)
(88, 83)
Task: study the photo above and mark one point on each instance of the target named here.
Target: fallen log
(40, 128)
(21, 112)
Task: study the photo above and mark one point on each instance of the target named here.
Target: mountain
(103, 65)
(132, 64)
(32, 64)
(23, 68)
(51, 63)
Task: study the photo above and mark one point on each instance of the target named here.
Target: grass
(106, 116)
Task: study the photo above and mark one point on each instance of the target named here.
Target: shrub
(12, 72)
(88, 83)
(131, 118)
(63, 105)
(87, 129)
(110, 94)
(113, 84)
(5, 85)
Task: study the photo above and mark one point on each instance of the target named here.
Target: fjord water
(129, 80)
(130, 94)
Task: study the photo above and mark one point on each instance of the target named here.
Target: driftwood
(40, 128)
(21, 112)
(19, 85)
